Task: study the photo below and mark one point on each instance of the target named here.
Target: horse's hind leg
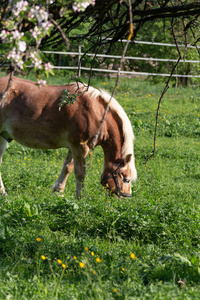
(66, 170)
(3, 144)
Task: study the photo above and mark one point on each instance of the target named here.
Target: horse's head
(118, 179)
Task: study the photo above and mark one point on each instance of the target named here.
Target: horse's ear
(127, 159)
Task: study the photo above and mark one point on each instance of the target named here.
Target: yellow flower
(92, 253)
(115, 290)
(123, 269)
(75, 257)
(38, 239)
(64, 266)
(43, 257)
(82, 265)
(98, 260)
(59, 261)
(86, 248)
(133, 256)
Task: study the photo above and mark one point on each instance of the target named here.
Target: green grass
(159, 224)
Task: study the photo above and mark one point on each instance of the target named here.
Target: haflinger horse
(33, 117)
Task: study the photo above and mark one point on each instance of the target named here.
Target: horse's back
(34, 116)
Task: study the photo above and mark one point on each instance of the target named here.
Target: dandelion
(38, 239)
(98, 260)
(86, 248)
(59, 261)
(114, 290)
(133, 256)
(75, 257)
(82, 265)
(92, 253)
(64, 266)
(123, 269)
(43, 257)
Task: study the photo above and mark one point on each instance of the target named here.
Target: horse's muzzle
(118, 192)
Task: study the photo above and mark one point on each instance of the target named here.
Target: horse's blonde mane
(128, 134)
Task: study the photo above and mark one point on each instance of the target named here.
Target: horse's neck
(112, 148)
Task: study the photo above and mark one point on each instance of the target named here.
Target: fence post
(79, 61)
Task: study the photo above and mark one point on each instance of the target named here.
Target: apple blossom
(81, 6)
(19, 7)
(41, 83)
(17, 35)
(21, 46)
(48, 67)
(37, 16)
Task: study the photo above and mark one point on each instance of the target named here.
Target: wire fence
(80, 54)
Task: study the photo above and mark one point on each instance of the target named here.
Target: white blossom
(19, 7)
(21, 46)
(39, 14)
(3, 35)
(16, 57)
(35, 32)
(22, 9)
(46, 25)
(48, 67)
(17, 35)
(20, 64)
(41, 83)
(82, 5)
(37, 62)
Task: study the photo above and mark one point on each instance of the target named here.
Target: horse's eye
(125, 180)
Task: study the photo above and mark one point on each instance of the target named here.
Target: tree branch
(131, 27)
(65, 39)
(162, 95)
(5, 93)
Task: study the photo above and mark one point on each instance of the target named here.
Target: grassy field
(101, 247)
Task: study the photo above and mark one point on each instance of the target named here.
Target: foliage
(102, 247)
(66, 98)
(26, 28)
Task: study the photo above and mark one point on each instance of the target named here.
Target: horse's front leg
(79, 155)
(66, 170)
(3, 144)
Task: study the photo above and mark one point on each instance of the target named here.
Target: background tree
(26, 28)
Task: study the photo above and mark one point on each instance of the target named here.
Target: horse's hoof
(57, 189)
(3, 193)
